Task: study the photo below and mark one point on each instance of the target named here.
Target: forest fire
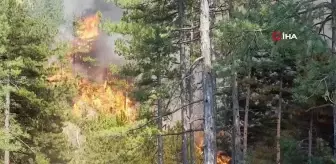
(109, 97)
(106, 99)
(88, 28)
(221, 157)
(98, 90)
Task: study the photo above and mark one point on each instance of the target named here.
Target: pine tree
(209, 118)
(35, 114)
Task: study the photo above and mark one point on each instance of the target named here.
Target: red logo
(276, 36)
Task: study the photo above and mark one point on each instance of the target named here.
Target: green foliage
(145, 110)
(245, 41)
(261, 154)
(291, 151)
(37, 108)
(172, 145)
(40, 159)
(109, 142)
(149, 45)
(50, 12)
(13, 146)
(89, 60)
(321, 160)
(114, 69)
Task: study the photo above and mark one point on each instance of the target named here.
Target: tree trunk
(310, 138)
(184, 96)
(334, 124)
(333, 50)
(209, 119)
(159, 124)
(247, 101)
(236, 136)
(7, 118)
(310, 133)
(247, 106)
(278, 135)
(212, 4)
(190, 91)
(236, 119)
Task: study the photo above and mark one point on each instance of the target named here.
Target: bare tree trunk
(209, 119)
(334, 124)
(159, 124)
(236, 119)
(236, 136)
(310, 138)
(7, 118)
(184, 135)
(333, 50)
(191, 134)
(184, 96)
(212, 4)
(247, 102)
(190, 91)
(310, 133)
(278, 135)
(247, 107)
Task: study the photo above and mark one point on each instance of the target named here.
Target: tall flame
(88, 27)
(109, 97)
(199, 142)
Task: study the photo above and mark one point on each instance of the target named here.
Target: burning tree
(98, 89)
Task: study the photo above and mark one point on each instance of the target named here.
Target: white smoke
(103, 51)
(77, 8)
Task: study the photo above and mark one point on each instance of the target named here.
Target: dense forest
(169, 81)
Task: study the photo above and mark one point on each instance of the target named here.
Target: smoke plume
(103, 51)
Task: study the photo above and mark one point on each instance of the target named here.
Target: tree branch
(187, 41)
(186, 28)
(316, 107)
(328, 18)
(177, 109)
(167, 114)
(31, 149)
(324, 35)
(179, 133)
(321, 5)
(188, 131)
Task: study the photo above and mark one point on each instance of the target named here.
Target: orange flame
(88, 28)
(93, 97)
(104, 98)
(221, 157)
